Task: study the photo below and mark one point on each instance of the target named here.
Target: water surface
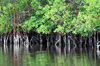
(23, 56)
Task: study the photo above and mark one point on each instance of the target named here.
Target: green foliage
(58, 16)
(87, 21)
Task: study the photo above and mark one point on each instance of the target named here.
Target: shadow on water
(19, 55)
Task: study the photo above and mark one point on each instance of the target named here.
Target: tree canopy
(51, 16)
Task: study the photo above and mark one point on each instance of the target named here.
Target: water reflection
(19, 55)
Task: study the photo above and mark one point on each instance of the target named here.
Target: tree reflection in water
(20, 56)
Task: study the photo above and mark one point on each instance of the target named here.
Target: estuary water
(23, 56)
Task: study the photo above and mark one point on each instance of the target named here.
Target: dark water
(22, 56)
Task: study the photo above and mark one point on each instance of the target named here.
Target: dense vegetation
(70, 22)
(50, 16)
(63, 24)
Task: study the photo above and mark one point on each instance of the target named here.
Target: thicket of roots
(60, 42)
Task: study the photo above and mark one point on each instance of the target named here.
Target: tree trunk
(94, 41)
(14, 26)
(47, 38)
(58, 48)
(80, 45)
(0, 39)
(68, 40)
(90, 42)
(97, 36)
(64, 39)
(85, 43)
(17, 23)
(40, 42)
(74, 43)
